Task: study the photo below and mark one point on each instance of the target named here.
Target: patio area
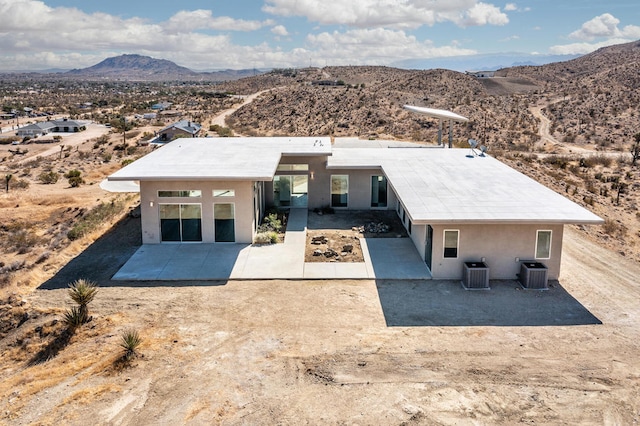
(384, 258)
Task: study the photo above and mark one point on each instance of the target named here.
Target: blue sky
(218, 34)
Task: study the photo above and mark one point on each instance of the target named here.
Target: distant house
(59, 126)
(150, 116)
(481, 74)
(180, 129)
(161, 106)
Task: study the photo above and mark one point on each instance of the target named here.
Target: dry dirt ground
(331, 352)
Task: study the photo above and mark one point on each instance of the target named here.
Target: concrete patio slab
(396, 258)
(384, 258)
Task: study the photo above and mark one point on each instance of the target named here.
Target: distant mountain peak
(134, 66)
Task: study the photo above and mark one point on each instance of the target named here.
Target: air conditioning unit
(533, 275)
(475, 275)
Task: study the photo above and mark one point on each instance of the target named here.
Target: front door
(428, 246)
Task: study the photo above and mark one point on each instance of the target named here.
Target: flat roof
(221, 158)
(448, 186)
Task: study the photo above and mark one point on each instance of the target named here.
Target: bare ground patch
(335, 237)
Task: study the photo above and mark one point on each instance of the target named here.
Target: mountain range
(137, 67)
(143, 68)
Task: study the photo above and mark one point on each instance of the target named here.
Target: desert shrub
(613, 228)
(13, 267)
(133, 134)
(126, 162)
(73, 318)
(19, 184)
(223, 132)
(102, 140)
(43, 257)
(129, 342)
(131, 149)
(273, 222)
(266, 237)
(83, 292)
(48, 177)
(94, 218)
(556, 161)
(23, 240)
(74, 177)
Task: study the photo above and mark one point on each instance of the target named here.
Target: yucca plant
(73, 318)
(129, 342)
(83, 292)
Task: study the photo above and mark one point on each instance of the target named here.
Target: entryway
(291, 191)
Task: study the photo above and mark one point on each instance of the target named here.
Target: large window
(378, 191)
(339, 190)
(180, 222)
(451, 240)
(224, 222)
(543, 245)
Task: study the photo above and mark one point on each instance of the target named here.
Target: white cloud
(583, 48)
(280, 30)
(187, 21)
(601, 27)
(512, 7)
(375, 46)
(36, 36)
(605, 25)
(484, 14)
(631, 32)
(399, 14)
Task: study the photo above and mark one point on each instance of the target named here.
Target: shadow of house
(179, 129)
(446, 303)
(102, 259)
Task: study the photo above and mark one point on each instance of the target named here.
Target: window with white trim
(543, 244)
(451, 241)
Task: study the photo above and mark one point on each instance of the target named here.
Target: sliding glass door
(180, 222)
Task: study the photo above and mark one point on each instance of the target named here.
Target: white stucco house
(456, 206)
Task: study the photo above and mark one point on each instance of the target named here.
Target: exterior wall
(320, 184)
(243, 201)
(498, 244)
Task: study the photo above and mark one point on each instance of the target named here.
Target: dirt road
(324, 352)
(221, 118)
(545, 133)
